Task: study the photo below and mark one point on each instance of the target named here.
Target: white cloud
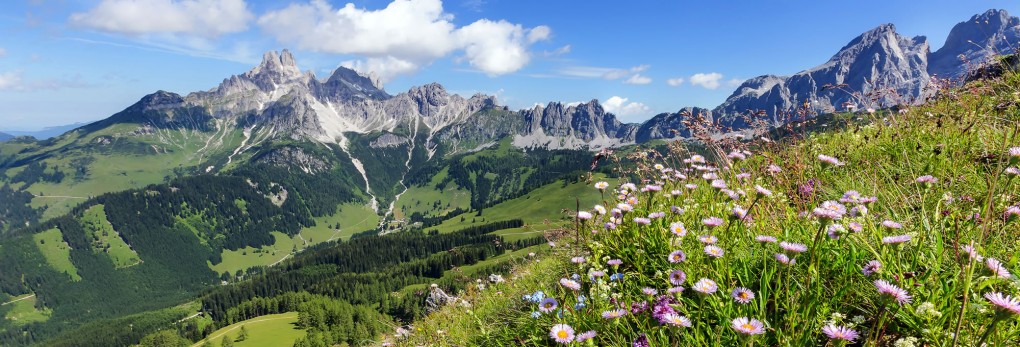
(14, 81)
(558, 52)
(621, 73)
(202, 18)
(733, 82)
(409, 33)
(675, 82)
(621, 107)
(10, 80)
(707, 80)
(638, 79)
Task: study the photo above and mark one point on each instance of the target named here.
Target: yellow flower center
(743, 295)
(562, 334)
(747, 326)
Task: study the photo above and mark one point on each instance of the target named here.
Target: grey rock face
(673, 125)
(971, 43)
(293, 156)
(879, 68)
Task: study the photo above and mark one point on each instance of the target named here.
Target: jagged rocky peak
(346, 84)
(972, 42)
(275, 69)
(159, 99)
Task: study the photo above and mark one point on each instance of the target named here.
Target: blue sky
(67, 61)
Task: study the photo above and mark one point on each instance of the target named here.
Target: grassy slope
(57, 252)
(958, 139)
(264, 331)
(94, 221)
(22, 310)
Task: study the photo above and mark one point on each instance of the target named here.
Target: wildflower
(835, 230)
(793, 247)
(718, 184)
(677, 256)
(570, 284)
(696, 159)
(971, 252)
(614, 262)
(714, 251)
(649, 291)
(615, 313)
(676, 209)
(641, 341)
(601, 185)
(997, 268)
(710, 176)
(1014, 152)
(583, 215)
(656, 215)
(830, 210)
(871, 267)
(616, 277)
(869, 199)
(630, 187)
(773, 168)
(927, 310)
(675, 290)
(678, 229)
(585, 336)
(927, 179)
(765, 239)
(835, 332)
(908, 341)
(548, 305)
(743, 176)
(829, 160)
(855, 227)
(642, 221)
(762, 191)
(577, 260)
(851, 197)
(536, 314)
(736, 155)
(705, 286)
(1015, 171)
(712, 222)
(1011, 214)
(739, 212)
(562, 333)
(677, 277)
(535, 297)
(596, 273)
(895, 240)
(892, 292)
(708, 239)
(785, 260)
(495, 278)
(625, 207)
(638, 307)
(652, 188)
(742, 295)
(748, 326)
(891, 225)
(1004, 303)
(859, 210)
(601, 210)
(610, 226)
(675, 320)
(691, 186)
(633, 200)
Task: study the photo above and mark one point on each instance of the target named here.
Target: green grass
(22, 310)
(264, 331)
(541, 209)
(421, 199)
(57, 252)
(107, 240)
(249, 256)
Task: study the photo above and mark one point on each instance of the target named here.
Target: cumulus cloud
(409, 33)
(202, 18)
(675, 82)
(707, 80)
(638, 79)
(622, 107)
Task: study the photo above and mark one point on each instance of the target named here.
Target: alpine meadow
(870, 200)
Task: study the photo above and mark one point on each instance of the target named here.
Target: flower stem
(991, 327)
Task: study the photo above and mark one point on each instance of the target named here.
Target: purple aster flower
(548, 305)
(742, 295)
(773, 168)
(762, 191)
(851, 197)
(735, 155)
(859, 210)
(675, 320)
(656, 215)
(710, 176)
(765, 239)
(972, 253)
(830, 210)
(714, 251)
(614, 262)
(577, 260)
(641, 341)
(691, 186)
(677, 256)
(570, 284)
(649, 291)
(718, 184)
(891, 225)
(784, 259)
(638, 307)
(642, 221)
(793, 247)
(895, 240)
(1004, 303)
(708, 239)
(835, 332)
(676, 209)
(614, 313)
(562, 333)
(712, 222)
(601, 185)
(1012, 213)
(610, 226)
(927, 179)
(705, 286)
(1013, 170)
(1014, 152)
(835, 230)
(675, 290)
(597, 273)
(677, 277)
(678, 229)
(869, 199)
(871, 267)
(585, 336)
(891, 292)
(856, 227)
(748, 326)
(624, 207)
(652, 188)
(997, 268)
(829, 160)
(739, 212)
(743, 176)
(584, 215)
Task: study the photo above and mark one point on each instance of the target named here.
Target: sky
(69, 61)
